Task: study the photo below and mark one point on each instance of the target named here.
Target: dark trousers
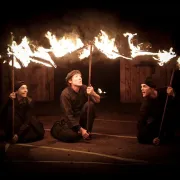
(33, 131)
(62, 132)
(147, 132)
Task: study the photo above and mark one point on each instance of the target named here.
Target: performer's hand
(156, 141)
(170, 91)
(90, 90)
(84, 133)
(15, 138)
(12, 95)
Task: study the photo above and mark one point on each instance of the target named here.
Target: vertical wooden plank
(35, 78)
(138, 83)
(38, 83)
(44, 84)
(1, 84)
(168, 75)
(162, 78)
(50, 80)
(133, 83)
(142, 74)
(127, 82)
(122, 80)
(157, 74)
(131, 78)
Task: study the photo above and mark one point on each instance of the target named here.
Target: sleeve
(163, 95)
(66, 108)
(162, 92)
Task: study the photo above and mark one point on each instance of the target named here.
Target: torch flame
(65, 45)
(107, 46)
(23, 53)
(162, 56)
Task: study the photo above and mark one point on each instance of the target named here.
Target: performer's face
(76, 80)
(146, 90)
(22, 91)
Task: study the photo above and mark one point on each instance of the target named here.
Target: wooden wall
(40, 81)
(131, 77)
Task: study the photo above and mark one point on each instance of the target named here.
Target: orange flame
(161, 56)
(23, 53)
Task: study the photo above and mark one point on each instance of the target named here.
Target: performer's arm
(167, 91)
(94, 96)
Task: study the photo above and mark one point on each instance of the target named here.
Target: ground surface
(113, 149)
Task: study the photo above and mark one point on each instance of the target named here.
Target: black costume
(151, 112)
(74, 107)
(26, 126)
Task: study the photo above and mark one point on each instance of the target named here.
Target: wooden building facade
(132, 75)
(41, 80)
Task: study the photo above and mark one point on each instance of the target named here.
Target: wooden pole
(89, 84)
(164, 112)
(13, 109)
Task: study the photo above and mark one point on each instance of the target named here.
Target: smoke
(87, 23)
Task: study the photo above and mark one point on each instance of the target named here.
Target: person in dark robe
(26, 127)
(73, 124)
(176, 87)
(151, 113)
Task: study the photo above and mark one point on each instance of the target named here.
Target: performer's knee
(143, 137)
(64, 134)
(141, 140)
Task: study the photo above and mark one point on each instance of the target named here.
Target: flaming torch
(162, 57)
(106, 46)
(21, 55)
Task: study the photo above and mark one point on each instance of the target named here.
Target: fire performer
(151, 113)
(73, 102)
(26, 127)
